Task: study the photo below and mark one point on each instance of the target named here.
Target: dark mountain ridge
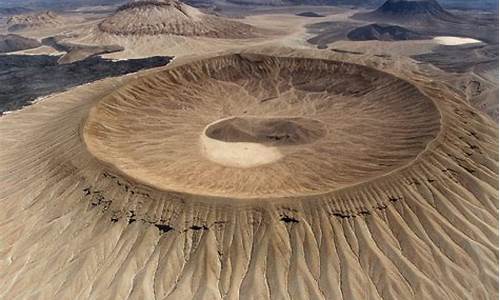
(14, 42)
(383, 32)
(409, 12)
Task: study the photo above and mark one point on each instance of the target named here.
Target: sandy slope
(73, 227)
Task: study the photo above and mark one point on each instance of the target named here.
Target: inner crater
(273, 131)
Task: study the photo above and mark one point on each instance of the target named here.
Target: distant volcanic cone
(35, 20)
(151, 17)
(409, 12)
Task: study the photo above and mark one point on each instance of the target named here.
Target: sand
(74, 226)
(239, 154)
(454, 41)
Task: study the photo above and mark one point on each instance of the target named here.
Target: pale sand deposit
(401, 202)
(239, 155)
(236, 154)
(454, 41)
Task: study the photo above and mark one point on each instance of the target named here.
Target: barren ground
(263, 169)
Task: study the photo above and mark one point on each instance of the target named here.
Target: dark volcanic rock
(411, 8)
(329, 32)
(383, 32)
(409, 11)
(14, 42)
(427, 17)
(23, 78)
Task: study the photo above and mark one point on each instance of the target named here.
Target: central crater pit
(245, 142)
(275, 131)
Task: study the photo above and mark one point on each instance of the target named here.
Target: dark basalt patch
(383, 32)
(164, 228)
(409, 10)
(23, 78)
(289, 220)
(197, 228)
(14, 42)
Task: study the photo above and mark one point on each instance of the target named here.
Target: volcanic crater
(363, 184)
(257, 126)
